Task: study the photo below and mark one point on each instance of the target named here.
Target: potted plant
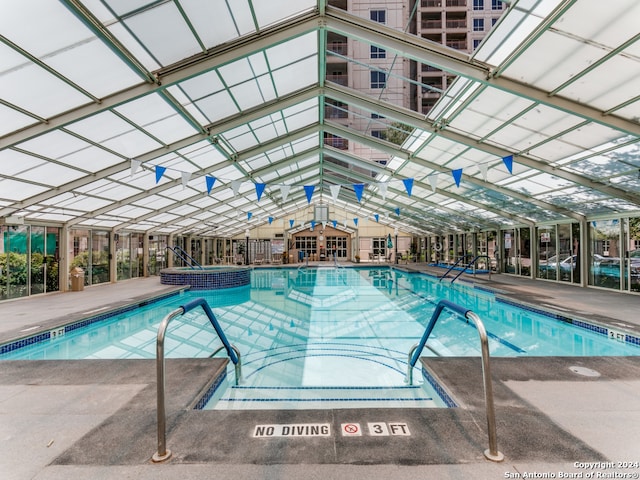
(357, 258)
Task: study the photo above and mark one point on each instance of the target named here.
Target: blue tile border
(208, 278)
(442, 393)
(595, 328)
(42, 336)
(217, 382)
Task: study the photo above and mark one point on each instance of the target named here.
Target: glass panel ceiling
(97, 95)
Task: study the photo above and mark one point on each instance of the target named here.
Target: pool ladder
(492, 452)
(234, 354)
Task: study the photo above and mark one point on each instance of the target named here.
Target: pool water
(329, 327)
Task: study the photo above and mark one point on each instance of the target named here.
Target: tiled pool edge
(612, 333)
(23, 342)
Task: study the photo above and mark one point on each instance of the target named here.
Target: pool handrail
(185, 257)
(475, 259)
(163, 453)
(492, 453)
(453, 266)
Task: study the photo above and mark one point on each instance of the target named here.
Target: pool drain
(586, 372)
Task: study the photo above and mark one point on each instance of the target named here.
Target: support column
(63, 261)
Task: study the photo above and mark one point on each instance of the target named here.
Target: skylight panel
(164, 33)
(12, 120)
(297, 76)
(218, 106)
(17, 191)
(35, 90)
(275, 11)
(155, 116)
(214, 12)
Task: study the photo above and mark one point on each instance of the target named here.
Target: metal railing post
(492, 452)
(163, 453)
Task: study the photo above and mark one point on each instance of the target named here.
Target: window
(379, 16)
(493, 21)
(496, 4)
(376, 115)
(476, 43)
(321, 213)
(377, 52)
(478, 24)
(378, 79)
(478, 4)
(378, 134)
(379, 246)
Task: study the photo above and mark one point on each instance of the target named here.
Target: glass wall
(14, 261)
(29, 258)
(547, 240)
(516, 251)
(615, 257)
(157, 253)
(89, 250)
(129, 255)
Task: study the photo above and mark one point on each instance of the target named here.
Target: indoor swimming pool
(333, 328)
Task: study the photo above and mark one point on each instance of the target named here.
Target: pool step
(313, 398)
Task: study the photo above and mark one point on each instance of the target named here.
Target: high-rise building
(459, 24)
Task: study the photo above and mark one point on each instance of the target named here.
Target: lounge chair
(259, 260)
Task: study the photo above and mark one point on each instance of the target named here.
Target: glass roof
(213, 117)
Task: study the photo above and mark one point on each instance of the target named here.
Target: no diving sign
(373, 429)
(376, 429)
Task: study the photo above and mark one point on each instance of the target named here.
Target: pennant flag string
(358, 188)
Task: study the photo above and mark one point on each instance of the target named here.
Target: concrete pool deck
(96, 418)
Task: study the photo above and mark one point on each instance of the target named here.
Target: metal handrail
(453, 266)
(492, 452)
(163, 453)
(464, 269)
(185, 257)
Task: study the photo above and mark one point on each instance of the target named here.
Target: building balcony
(454, 24)
(431, 25)
(342, 79)
(457, 44)
(338, 47)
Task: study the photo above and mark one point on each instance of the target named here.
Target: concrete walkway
(96, 418)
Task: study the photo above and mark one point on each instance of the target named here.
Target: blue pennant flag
(355, 221)
(210, 181)
(408, 184)
(397, 211)
(291, 222)
(313, 224)
(260, 189)
(358, 188)
(377, 217)
(308, 189)
(270, 220)
(508, 161)
(457, 176)
(249, 215)
(160, 172)
(335, 223)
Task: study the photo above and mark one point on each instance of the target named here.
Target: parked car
(566, 264)
(607, 273)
